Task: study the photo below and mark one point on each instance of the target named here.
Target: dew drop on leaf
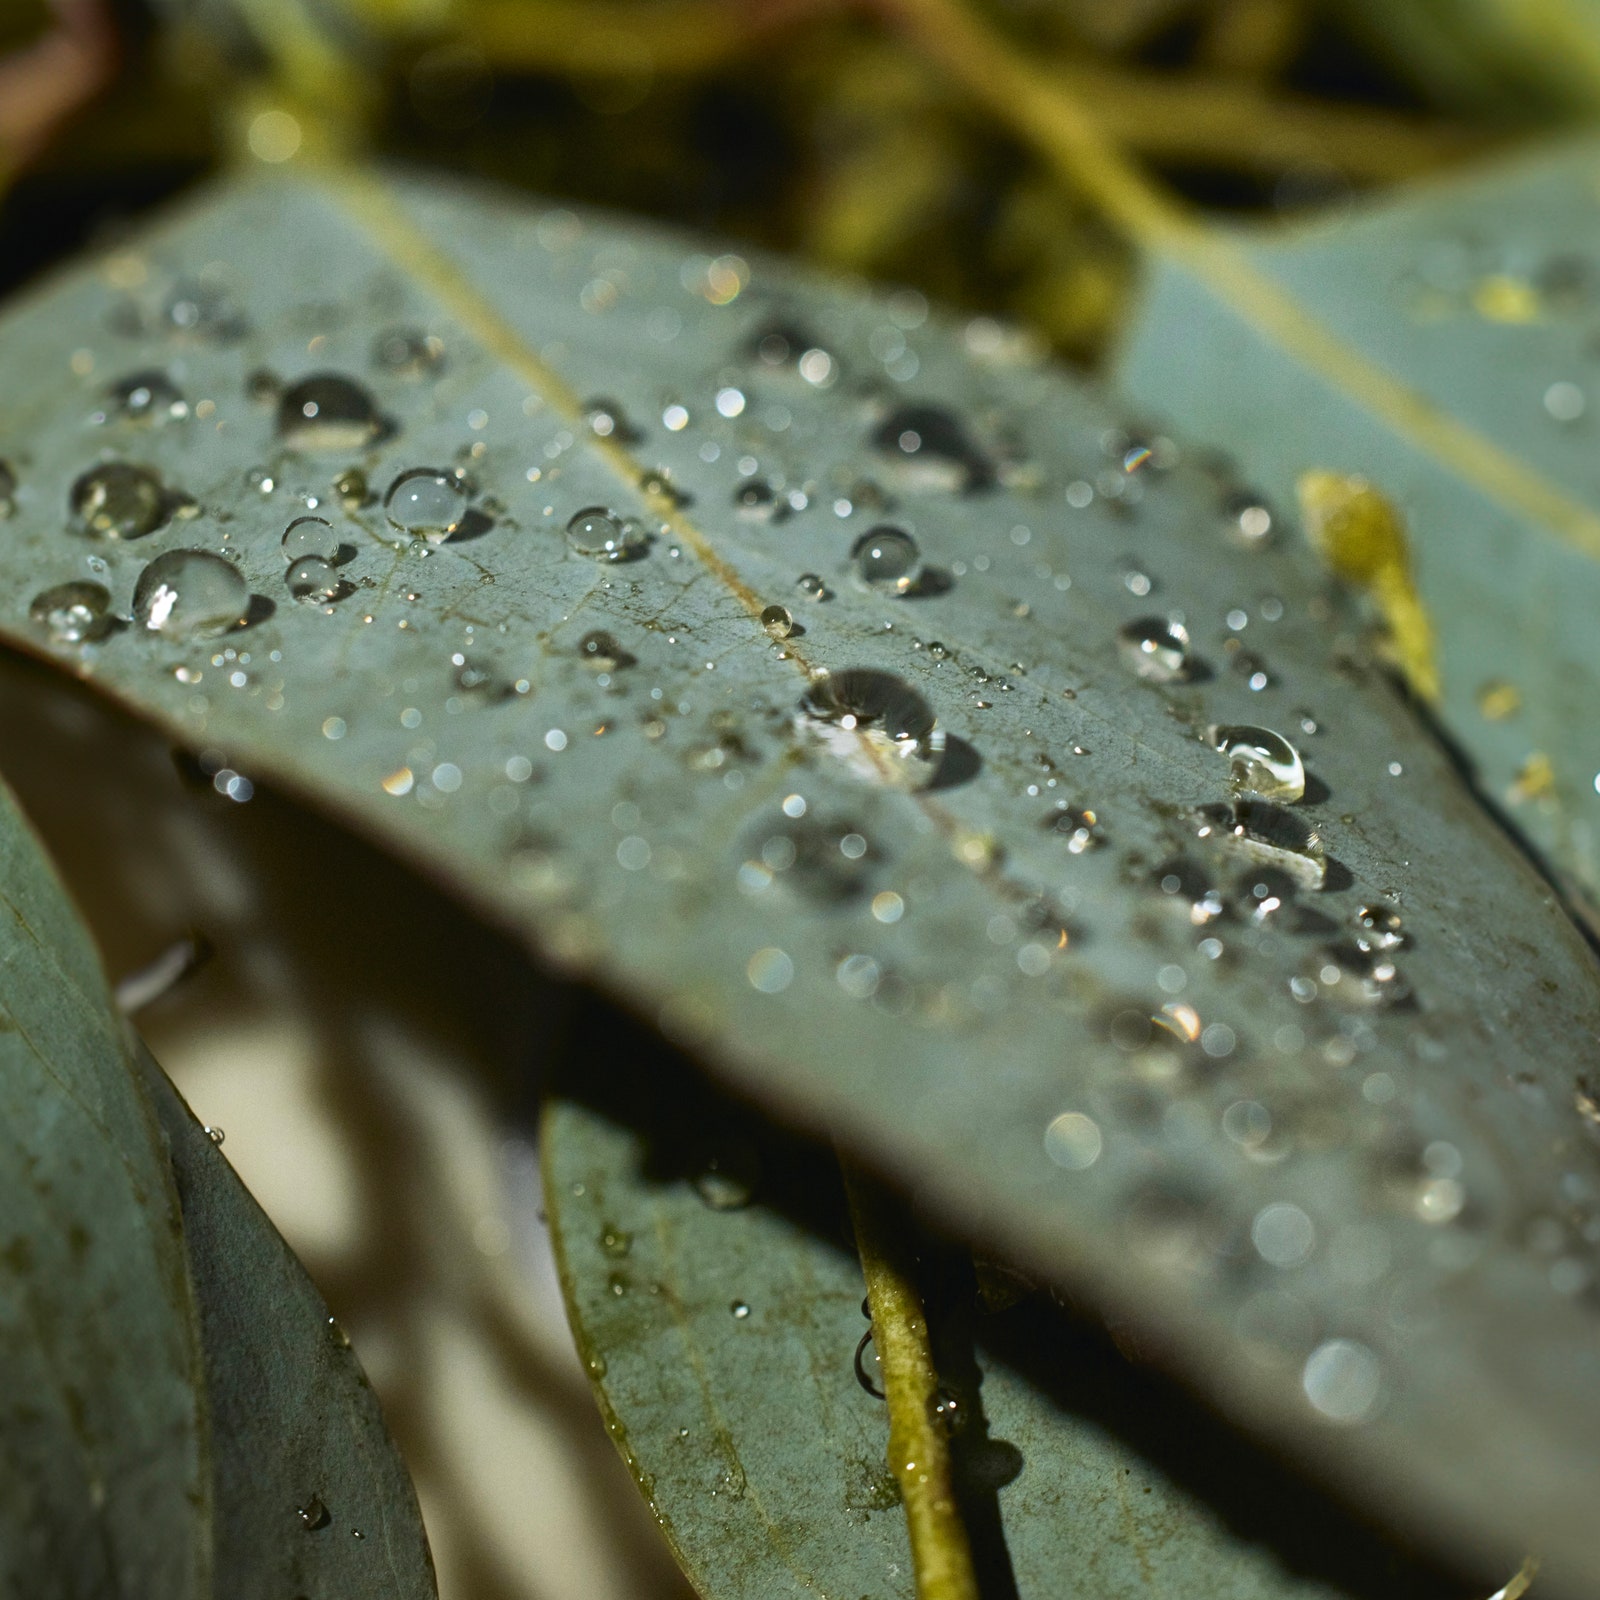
(313, 1514)
(876, 723)
(777, 621)
(602, 651)
(604, 536)
(408, 352)
(1269, 835)
(886, 559)
(147, 397)
(1155, 649)
(809, 583)
(327, 412)
(119, 500)
(310, 536)
(426, 503)
(1378, 927)
(931, 449)
(1261, 762)
(72, 613)
(190, 594)
(314, 580)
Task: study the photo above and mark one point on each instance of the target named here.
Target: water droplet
(190, 594)
(8, 491)
(426, 503)
(310, 536)
(313, 1514)
(809, 583)
(314, 580)
(727, 1181)
(1155, 649)
(777, 621)
(1268, 834)
(607, 421)
(615, 1241)
(1378, 927)
(740, 1310)
(1080, 827)
(216, 1135)
(756, 500)
(1261, 762)
(408, 352)
(1249, 520)
(118, 500)
(1343, 1380)
(73, 613)
(328, 412)
(602, 652)
(148, 397)
(930, 449)
(877, 724)
(603, 535)
(887, 559)
(868, 1366)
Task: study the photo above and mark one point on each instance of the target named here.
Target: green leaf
(310, 1494)
(932, 975)
(103, 1488)
(710, 1280)
(1468, 313)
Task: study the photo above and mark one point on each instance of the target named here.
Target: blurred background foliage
(815, 127)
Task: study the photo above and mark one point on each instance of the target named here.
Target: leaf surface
(709, 1275)
(1092, 1040)
(1472, 309)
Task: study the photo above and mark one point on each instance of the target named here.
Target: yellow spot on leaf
(1361, 534)
(1504, 299)
(1497, 701)
(1535, 781)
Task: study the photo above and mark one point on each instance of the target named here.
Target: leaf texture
(1090, 1038)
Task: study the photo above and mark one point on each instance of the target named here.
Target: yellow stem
(919, 1452)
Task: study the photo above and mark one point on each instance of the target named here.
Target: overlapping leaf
(1332, 1184)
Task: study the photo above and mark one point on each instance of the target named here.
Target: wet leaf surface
(310, 1494)
(989, 902)
(1480, 301)
(102, 1483)
(712, 1281)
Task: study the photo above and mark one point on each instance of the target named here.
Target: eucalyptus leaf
(711, 1282)
(103, 1488)
(1481, 300)
(311, 1496)
(988, 903)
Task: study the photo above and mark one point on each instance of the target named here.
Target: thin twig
(919, 1452)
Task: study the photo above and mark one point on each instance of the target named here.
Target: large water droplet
(777, 621)
(426, 503)
(930, 449)
(887, 559)
(190, 594)
(118, 500)
(1261, 762)
(73, 613)
(313, 1514)
(605, 536)
(1155, 649)
(314, 580)
(1266, 833)
(310, 536)
(328, 412)
(602, 651)
(149, 397)
(756, 500)
(877, 724)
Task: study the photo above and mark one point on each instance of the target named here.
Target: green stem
(919, 1452)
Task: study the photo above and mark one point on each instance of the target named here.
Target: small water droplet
(606, 420)
(615, 1241)
(1260, 762)
(887, 559)
(1249, 519)
(310, 536)
(1378, 927)
(877, 723)
(1155, 649)
(426, 503)
(756, 500)
(1268, 834)
(929, 448)
(948, 1411)
(148, 397)
(190, 594)
(408, 352)
(777, 621)
(204, 310)
(809, 583)
(73, 613)
(1080, 827)
(740, 1310)
(602, 651)
(314, 580)
(605, 536)
(337, 1334)
(727, 1181)
(313, 1514)
(118, 500)
(216, 1135)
